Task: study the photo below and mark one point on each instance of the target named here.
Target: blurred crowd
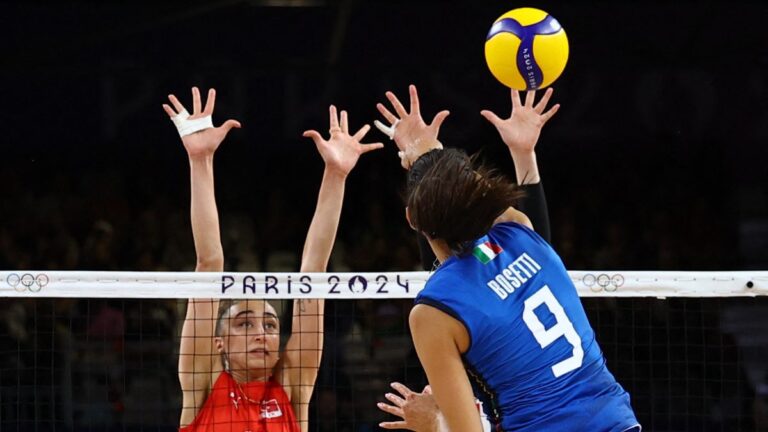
(74, 218)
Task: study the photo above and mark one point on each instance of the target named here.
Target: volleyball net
(99, 351)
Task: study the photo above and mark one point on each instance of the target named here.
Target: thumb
(439, 119)
(427, 389)
(314, 135)
(371, 147)
(229, 124)
(491, 117)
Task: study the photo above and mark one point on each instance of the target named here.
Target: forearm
(325, 222)
(204, 215)
(526, 168)
(305, 346)
(308, 313)
(534, 203)
(307, 330)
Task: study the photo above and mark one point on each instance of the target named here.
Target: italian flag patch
(486, 252)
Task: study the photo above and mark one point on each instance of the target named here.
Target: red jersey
(259, 406)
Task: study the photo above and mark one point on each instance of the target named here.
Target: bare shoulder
(426, 317)
(431, 322)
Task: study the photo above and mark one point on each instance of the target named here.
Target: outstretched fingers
(515, 99)
(391, 118)
(361, 132)
(402, 389)
(390, 409)
(371, 147)
(399, 108)
(229, 124)
(530, 95)
(395, 399)
(176, 104)
(393, 425)
(365, 148)
(344, 122)
(439, 118)
(196, 104)
(168, 110)
(314, 135)
(333, 120)
(414, 99)
(549, 114)
(539, 108)
(492, 117)
(210, 103)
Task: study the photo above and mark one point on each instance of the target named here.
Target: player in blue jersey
(500, 310)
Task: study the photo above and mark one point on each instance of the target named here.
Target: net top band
(385, 285)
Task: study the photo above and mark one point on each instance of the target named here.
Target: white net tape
(596, 283)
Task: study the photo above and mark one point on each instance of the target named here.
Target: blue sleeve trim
(448, 310)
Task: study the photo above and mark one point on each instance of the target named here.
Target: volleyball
(526, 49)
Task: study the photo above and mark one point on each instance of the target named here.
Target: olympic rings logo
(27, 282)
(603, 282)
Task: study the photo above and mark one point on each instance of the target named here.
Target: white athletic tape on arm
(386, 130)
(188, 127)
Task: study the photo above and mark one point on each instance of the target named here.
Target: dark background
(656, 161)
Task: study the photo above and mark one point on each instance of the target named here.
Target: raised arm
(303, 351)
(520, 133)
(413, 138)
(197, 355)
(340, 154)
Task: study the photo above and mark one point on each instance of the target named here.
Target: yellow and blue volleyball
(526, 49)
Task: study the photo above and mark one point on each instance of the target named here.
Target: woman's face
(251, 339)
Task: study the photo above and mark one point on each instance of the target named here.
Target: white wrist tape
(387, 130)
(188, 127)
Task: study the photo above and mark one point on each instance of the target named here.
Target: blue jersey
(532, 351)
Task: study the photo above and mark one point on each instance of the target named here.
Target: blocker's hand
(520, 132)
(418, 411)
(199, 136)
(412, 135)
(341, 151)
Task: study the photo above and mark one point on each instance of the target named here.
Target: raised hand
(203, 142)
(341, 151)
(419, 411)
(521, 130)
(412, 135)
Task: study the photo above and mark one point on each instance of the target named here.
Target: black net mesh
(689, 364)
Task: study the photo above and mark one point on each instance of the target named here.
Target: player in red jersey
(234, 377)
